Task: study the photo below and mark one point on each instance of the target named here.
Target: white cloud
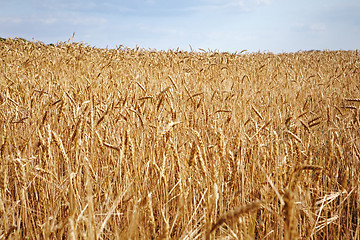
(259, 2)
(229, 5)
(10, 20)
(79, 20)
(318, 27)
(65, 4)
(216, 5)
(312, 28)
(49, 21)
(70, 19)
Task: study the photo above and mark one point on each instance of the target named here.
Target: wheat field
(140, 144)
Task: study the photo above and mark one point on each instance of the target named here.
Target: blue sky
(224, 25)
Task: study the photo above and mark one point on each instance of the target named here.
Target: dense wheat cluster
(137, 144)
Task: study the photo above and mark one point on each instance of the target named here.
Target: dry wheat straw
(201, 152)
(3, 173)
(257, 112)
(71, 234)
(289, 214)
(49, 156)
(294, 136)
(60, 145)
(3, 146)
(191, 159)
(151, 211)
(20, 172)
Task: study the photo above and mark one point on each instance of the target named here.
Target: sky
(217, 25)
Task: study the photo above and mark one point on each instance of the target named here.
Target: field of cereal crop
(138, 144)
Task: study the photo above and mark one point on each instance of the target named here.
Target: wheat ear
(233, 214)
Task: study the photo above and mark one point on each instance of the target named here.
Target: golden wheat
(132, 143)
